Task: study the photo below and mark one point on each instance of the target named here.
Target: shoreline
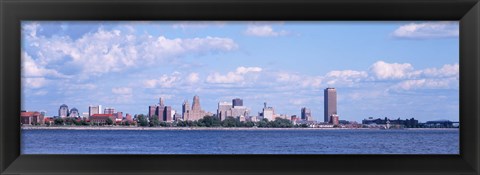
(203, 128)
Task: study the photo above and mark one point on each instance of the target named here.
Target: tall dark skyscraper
(330, 103)
(237, 102)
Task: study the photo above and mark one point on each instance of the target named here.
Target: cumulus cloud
(31, 69)
(345, 77)
(104, 51)
(427, 30)
(164, 81)
(382, 70)
(34, 83)
(263, 31)
(233, 77)
(193, 77)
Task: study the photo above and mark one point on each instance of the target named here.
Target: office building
(94, 110)
(63, 111)
(268, 112)
(334, 119)
(74, 113)
(330, 103)
(237, 102)
(109, 110)
(196, 112)
(152, 110)
(306, 114)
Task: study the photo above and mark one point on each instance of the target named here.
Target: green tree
(229, 122)
(59, 121)
(142, 120)
(153, 121)
(109, 121)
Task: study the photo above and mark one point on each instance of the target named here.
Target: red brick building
(31, 118)
(101, 118)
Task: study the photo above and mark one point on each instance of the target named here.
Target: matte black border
(13, 11)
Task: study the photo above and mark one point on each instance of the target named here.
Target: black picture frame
(14, 11)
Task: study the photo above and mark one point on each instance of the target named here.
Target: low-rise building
(31, 118)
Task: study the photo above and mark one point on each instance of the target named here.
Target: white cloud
(233, 77)
(185, 25)
(34, 82)
(164, 81)
(106, 51)
(345, 77)
(263, 31)
(447, 70)
(382, 70)
(122, 91)
(193, 77)
(31, 69)
(446, 83)
(428, 30)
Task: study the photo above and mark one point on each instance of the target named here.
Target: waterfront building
(196, 112)
(152, 110)
(306, 114)
(74, 113)
(268, 112)
(330, 103)
(177, 117)
(63, 111)
(85, 115)
(167, 114)
(237, 102)
(334, 119)
(128, 117)
(160, 112)
(94, 110)
(119, 116)
(224, 110)
(185, 109)
(31, 118)
(109, 110)
(101, 118)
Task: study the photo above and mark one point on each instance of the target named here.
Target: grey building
(74, 112)
(237, 102)
(330, 103)
(63, 111)
(306, 114)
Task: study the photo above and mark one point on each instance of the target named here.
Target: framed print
(239, 87)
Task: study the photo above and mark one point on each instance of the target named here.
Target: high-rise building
(330, 103)
(223, 110)
(74, 112)
(109, 110)
(306, 114)
(128, 117)
(152, 110)
(185, 109)
(268, 112)
(160, 112)
(161, 102)
(63, 111)
(196, 112)
(237, 102)
(167, 114)
(94, 110)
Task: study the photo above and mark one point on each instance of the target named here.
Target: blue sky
(380, 69)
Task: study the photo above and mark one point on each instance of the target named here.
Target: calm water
(240, 142)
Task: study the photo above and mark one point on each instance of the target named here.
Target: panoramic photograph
(239, 87)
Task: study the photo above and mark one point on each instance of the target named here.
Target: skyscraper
(330, 103)
(63, 111)
(185, 109)
(306, 114)
(237, 102)
(161, 102)
(152, 110)
(109, 110)
(196, 112)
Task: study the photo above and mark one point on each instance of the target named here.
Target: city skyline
(401, 69)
